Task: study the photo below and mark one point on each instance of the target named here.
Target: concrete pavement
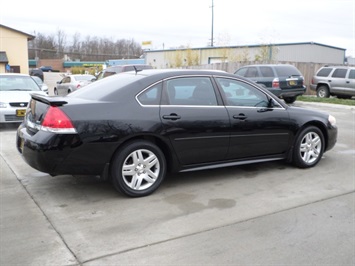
(265, 214)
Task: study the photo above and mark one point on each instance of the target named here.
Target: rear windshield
(104, 87)
(287, 71)
(17, 83)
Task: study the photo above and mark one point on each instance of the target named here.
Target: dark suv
(37, 72)
(285, 81)
(334, 81)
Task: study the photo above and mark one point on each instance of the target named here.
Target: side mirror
(271, 103)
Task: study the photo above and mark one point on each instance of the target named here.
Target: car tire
(309, 147)
(290, 99)
(138, 168)
(55, 91)
(323, 92)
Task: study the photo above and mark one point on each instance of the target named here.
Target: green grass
(326, 100)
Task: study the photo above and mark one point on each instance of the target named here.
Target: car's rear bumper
(60, 154)
(282, 93)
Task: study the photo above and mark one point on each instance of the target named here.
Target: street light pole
(212, 24)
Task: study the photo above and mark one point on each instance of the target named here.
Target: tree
(90, 48)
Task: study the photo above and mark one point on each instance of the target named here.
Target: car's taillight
(275, 83)
(78, 86)
(57, 121)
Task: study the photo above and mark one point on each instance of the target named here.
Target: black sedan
(134, 127)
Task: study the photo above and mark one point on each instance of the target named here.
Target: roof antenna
(136, 69)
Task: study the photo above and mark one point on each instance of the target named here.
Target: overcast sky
(169, 24)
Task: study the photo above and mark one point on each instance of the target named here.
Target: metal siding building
(311, 53)
(307, 52)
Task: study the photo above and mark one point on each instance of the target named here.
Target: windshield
(17, 83)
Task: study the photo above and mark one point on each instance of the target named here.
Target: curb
(338, 106)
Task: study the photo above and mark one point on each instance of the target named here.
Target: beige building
(14, 50)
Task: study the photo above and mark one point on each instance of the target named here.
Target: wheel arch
(323, 84)
(162, 144)
(317, 124)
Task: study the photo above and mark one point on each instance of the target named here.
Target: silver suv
(334, 81)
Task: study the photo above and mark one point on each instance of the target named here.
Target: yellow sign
(147, 43)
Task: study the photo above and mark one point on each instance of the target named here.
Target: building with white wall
(307, 52)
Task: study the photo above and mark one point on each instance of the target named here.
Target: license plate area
(292, 82)
(20, 112)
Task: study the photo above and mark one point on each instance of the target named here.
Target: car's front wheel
(138, 168)
(309, 147)
(323, 92)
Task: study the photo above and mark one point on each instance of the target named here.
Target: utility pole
(212, 24)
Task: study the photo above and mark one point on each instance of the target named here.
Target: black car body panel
(192, 131)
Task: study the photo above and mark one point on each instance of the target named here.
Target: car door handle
(240, 117)
(171, 117)
(329, 81)
(348, 82)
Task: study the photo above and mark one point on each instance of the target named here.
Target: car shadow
(9, 126)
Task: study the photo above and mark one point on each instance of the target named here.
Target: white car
(71, 83)
(15, 93)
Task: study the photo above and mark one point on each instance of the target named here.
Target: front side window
(190, 91)
(241, 72)
(252, 72)
(238, 93)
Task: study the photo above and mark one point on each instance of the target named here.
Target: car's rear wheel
(138, 168)
(323, 92)
(290, 99)
(309, 147)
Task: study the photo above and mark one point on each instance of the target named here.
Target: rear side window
(191, 91)
(352, 74)
(324, 72)
(151, 96)
(267, 72)
(339, 73)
